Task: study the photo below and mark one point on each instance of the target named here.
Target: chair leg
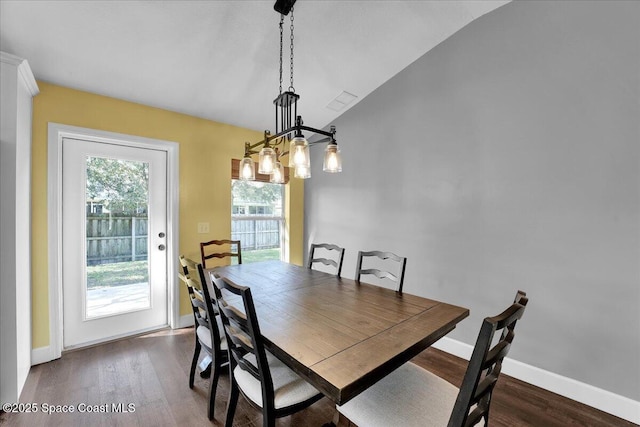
(194, 362)
(233, 401)
(268, 418)
(213, 386)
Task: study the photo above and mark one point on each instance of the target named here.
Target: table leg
(339, 420)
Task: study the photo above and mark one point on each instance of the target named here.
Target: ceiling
(219, 59)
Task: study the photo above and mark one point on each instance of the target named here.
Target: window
(257, 219)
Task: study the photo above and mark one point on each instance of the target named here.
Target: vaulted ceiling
(219, 59)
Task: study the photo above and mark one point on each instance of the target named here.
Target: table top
(339, 334)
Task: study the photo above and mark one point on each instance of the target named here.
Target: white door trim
(56, 132)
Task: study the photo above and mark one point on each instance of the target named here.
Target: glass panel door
(114, 224)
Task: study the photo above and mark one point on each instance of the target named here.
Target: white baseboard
(185, 321)
(42, 355)
(598, 398)
(46, 354)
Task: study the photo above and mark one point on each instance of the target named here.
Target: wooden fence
(116, 239)
(123, 239)
(256, 233)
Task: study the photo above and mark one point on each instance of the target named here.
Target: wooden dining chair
(413, 397)
(398, 277)
(207, 331)
(264, 381)
(326, 248)
(217, 249)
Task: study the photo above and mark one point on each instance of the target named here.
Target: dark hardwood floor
(150, 372)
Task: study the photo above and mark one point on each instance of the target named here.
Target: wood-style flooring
(150, 372)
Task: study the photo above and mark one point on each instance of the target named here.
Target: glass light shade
(267, 158)
(299, 152)
(303, 172)
(332, 159)
(247, 169)
(277, 175)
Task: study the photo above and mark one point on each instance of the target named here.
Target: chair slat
(496, 354)
(329, 247)
(380, 274)
(325, 261)
(485, 386)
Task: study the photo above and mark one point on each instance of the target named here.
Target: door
(114, 224)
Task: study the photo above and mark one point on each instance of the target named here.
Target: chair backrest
(398, 277)
(204, 308)
(474, 399)
(337, 263)
(244, 339)
(218, 250)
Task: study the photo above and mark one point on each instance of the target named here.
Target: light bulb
(298, 156)
(299, 152)
(277, 176)
(332, 162)
(303, 172)
(267, 158)
(247, 169)
(332, 159)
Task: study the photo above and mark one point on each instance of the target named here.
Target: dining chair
(216, 249)
(326, 248)
(264, 381)
(398, 277)
(412, 396)
(207, 332)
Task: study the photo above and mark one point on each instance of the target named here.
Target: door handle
(161, 235)
(162, 247)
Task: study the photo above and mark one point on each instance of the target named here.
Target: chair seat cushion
(289, 388)
(409, 396)
(205, 337)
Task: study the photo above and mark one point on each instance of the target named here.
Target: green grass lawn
(127, 273)
(260, 255)
(117, 274)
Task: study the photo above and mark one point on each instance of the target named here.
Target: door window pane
(117, 273)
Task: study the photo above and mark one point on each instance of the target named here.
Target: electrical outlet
(203, 227)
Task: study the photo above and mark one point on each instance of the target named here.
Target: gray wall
(508, 158)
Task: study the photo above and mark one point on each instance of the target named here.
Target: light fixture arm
(250, 148)
(298, 128)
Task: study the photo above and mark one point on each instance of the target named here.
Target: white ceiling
(219, 59)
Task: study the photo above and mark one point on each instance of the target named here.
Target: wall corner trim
(24, 71)
(604, 400)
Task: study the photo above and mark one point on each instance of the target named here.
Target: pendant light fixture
(332, 159)
(289, 129)
(247, 168)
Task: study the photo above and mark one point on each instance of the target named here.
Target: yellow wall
(206, 150)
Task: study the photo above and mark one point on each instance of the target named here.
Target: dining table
(339, 334)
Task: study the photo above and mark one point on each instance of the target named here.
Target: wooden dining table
(339, 334)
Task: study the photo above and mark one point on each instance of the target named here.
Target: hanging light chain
(281, 27)
(291, 54)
